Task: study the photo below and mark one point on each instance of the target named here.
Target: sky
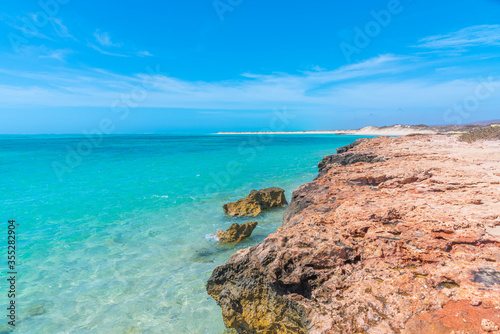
(70, 66)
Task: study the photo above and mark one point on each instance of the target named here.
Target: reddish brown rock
(256, 202)
(236, 232)
(407, 242)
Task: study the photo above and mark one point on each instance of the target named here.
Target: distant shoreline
(393, 130)
(280, 132)
(396, 130)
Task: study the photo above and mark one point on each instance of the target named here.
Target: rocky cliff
(395, 235)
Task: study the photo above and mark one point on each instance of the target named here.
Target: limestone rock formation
(346, 159)
(346, 148)
(407, 244)
(236, 232)
(256, 202)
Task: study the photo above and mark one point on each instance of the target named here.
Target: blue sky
(204, 66)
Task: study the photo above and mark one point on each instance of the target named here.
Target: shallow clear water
(116, 240)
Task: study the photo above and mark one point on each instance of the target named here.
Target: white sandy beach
(395, 130)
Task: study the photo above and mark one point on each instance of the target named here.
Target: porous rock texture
(256, 202)
(236, 232)
(408, 243)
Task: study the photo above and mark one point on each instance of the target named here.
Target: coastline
(393, 130)
(391, 235)
(361, 132)
(162, 195)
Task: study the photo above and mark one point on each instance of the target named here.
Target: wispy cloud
(143, 54)
(60, 29)
(34, 30)
(28, 32)
(42, 52)
(104, 39)
(380, 83)
(474, 36)
(104, 52)
(107, 47)
(59, 54)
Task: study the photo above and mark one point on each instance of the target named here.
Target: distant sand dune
(393, 130)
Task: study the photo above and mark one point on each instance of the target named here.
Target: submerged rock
(236, 232)
(256, 202)
(203, 255)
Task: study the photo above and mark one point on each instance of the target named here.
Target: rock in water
(236, 232)
(256, 202)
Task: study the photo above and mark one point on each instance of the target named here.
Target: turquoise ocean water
(115, 239)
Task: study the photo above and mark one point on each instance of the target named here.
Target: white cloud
(105, 44)
(60, 29)
(59, 54)
(43, 52)
(143, 54)
(474, 36)
(380, 83)
(316, 68)
(104, 52)
(30, 32)
(105, 40)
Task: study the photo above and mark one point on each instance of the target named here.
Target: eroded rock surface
(256, 202)
(346, 148)
(236, 232)
(407, 244)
